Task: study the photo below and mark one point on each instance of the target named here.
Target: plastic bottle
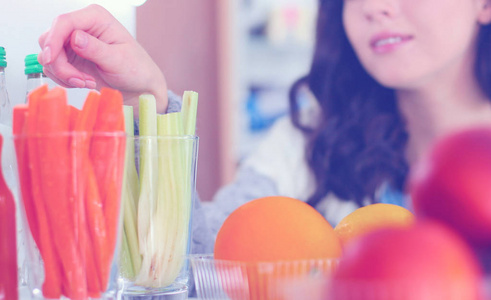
(5, 106)
(35, 76)
(8, 245)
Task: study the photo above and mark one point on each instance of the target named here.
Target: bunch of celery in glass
(157, 199)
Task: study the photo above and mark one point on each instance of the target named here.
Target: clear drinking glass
(70, 190)
(158, 193)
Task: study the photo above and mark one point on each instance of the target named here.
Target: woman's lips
(387, 42)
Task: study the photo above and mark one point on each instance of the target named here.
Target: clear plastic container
(312, 280)
(70, 188)
(158, 198)
(223, 279)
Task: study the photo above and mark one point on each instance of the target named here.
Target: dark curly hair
(360, 141)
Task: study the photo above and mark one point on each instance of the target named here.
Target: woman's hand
(89, 48)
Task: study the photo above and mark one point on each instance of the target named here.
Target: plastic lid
(3, 61)
(32, 64)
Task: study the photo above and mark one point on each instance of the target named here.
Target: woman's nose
(380, 9)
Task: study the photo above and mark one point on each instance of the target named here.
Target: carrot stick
(97, 225)
(52, 124)
(19, 130)
(93, 280)
(52, 269)
(86, 119)
(90, 205)
(73, 116)
(83, 127)
(107, 156)
(74, 180)
(110, 115)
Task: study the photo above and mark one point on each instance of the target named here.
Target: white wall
(23, 21)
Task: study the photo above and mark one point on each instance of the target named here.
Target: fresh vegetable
(164, 200)
(19, 127)
(107, 168)
(189, 112)
(53, 149)
(81, 192)
(130, 255)
(148, 172)
(52, 268)
(70, 170)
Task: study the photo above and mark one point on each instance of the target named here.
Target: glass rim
(210, 258)
(71, 133)
(105, 133)
(170, 136)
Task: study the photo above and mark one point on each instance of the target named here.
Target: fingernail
(80, 40)
(75, 82)
(47, 55)
(90, 84)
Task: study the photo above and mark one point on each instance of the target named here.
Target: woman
(389, 78)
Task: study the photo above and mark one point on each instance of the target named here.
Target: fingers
(65, 74)
(93, 49)
(42, 38)
(88, 84)
(51, 75)
(52, 42)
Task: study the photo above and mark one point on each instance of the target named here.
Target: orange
(263, 236)
(274, 229)
(374, 216)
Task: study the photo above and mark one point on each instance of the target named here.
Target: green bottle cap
(32, 64)
(3, 61)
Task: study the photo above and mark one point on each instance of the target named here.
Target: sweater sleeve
(175, 102)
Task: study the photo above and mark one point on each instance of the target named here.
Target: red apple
(453, 184)
(426, 261)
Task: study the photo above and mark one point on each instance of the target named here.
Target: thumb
(92, 49)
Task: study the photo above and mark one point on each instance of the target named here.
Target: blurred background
(241, 56)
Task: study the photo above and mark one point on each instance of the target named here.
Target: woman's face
(404, 44)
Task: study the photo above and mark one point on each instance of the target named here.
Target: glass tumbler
(158, 194)
(70, 190)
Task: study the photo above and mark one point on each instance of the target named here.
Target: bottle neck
(3, 82)
(2, 78)
(36, 80)
(36, 76)
(5, 107)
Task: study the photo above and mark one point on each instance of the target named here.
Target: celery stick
(130, 152)
(189, 111)
(126, 265)
(130, 193)
(148, 176)
(171, 199)
(130, 230)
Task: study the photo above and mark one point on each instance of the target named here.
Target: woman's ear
(484, 16)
